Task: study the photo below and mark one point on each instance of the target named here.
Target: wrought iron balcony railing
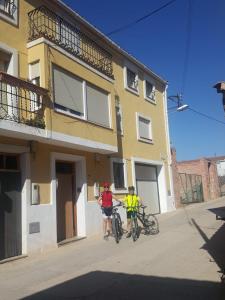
(21, 101)
(8, 7)
(45, 23)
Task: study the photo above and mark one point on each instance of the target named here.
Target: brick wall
(203, 167)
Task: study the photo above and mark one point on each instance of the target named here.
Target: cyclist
(106, 203)
(131, 202)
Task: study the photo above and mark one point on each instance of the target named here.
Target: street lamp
(178, 100)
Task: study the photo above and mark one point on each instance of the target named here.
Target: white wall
(221, 168)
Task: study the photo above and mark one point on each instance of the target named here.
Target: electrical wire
(124, 27)
(206, 116)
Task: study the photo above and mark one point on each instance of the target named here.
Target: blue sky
(160, 43)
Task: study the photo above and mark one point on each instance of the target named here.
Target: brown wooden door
(66, 206)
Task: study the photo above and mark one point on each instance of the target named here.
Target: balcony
(45, 23)
(8, 7)
(21, 101)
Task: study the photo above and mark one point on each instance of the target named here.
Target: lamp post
(180, 106)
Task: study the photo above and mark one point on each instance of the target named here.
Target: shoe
(106, 237)
(128, 235)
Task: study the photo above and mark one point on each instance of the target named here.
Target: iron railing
(21, 101)
(45, 23)
(8, 7)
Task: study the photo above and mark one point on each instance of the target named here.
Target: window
(68, 92)
(9, 162)
(34, 74)
(149, 91)
(119, 125)
(76, 97)
(8, 10)
(132, 80)
(144, 131)
(119, 175)
(97, 106)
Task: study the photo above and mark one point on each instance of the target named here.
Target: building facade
(75, 110)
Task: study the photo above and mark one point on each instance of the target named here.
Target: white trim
(128, 65)
(68, 113)
(13, 65)
(124, 161)
(150, 141)
(161, 179)
(13, 129)
(150, 99)
(11, 19)
(81, 182)
(43, 40)
(110, 110)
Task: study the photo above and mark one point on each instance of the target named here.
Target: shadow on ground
(215, 245)
(107, 285)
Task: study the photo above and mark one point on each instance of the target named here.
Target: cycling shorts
(107, 212)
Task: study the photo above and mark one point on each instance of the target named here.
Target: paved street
(183, 261)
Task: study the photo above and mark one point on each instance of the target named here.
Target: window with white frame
(68, 92)
(34, 76)
(149, 90)
(131, 79)
(144, 128)
(8, 10)
(76, 97)
(119, 176)
(97, 105)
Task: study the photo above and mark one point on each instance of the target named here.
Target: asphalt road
(184, 261)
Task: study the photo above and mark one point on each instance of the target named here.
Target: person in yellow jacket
(131, 202)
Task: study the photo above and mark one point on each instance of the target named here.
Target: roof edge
(109, 41)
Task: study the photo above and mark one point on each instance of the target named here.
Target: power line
(124, 27)
(206, 116)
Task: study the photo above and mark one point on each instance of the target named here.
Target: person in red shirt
(106, 203)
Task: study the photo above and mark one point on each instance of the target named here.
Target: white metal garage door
(147, 186)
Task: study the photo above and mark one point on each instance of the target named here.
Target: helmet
(131, 188)
(106, 185)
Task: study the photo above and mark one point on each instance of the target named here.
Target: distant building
(198, 180)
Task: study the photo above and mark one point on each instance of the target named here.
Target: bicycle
(117, 229)
(149, 221)
(134, 222)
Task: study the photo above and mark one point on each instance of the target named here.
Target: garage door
(147, 186)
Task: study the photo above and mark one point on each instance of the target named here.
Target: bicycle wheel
(115, 229)
(134, 229)
(152, 224)
(120, 229)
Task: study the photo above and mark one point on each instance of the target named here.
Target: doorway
(10, 207)
(66, 202)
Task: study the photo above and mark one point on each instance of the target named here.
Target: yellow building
(75, 110)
